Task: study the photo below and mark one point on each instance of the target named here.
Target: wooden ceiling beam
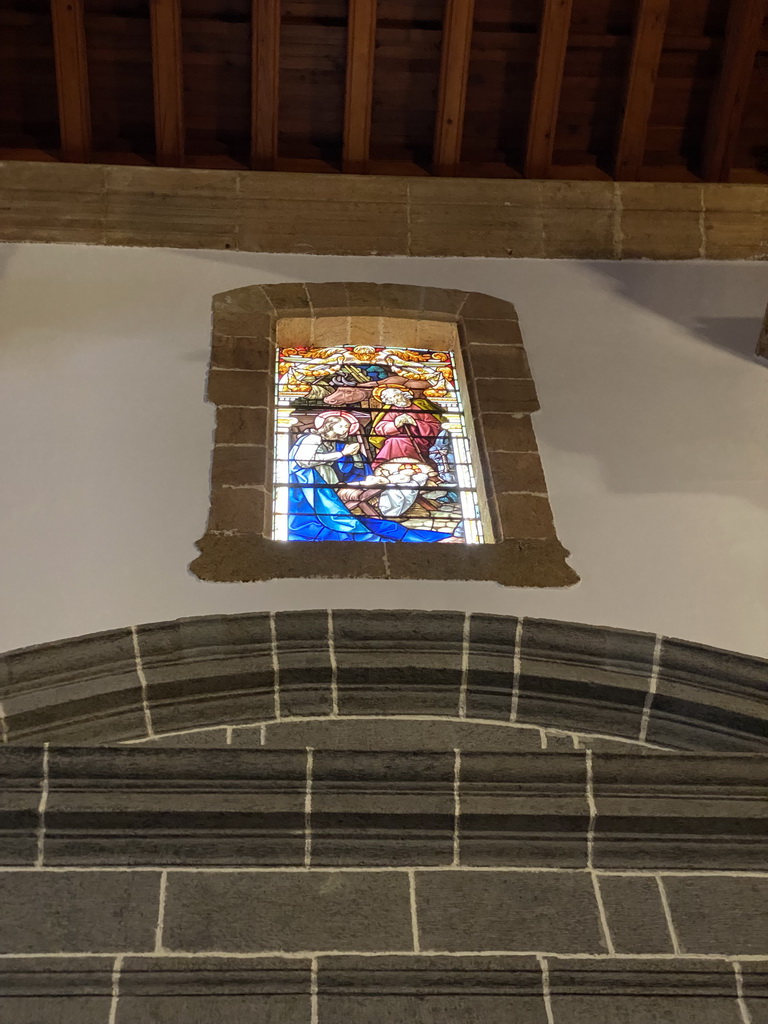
(72, 79)
(553, 43)
(168, 82)
(358, 102)
(265, 77)
(452, 91)
(742, 40)
(650, 26)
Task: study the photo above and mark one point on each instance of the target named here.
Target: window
(371, 440)
(397, 415)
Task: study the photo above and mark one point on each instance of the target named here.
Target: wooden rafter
(361, 45)
(72, 79)
(727, 108)
(265, 77)
(452, 93)
(553, 43)
(167, 77)
(650, 27)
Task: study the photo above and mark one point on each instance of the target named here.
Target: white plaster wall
(653, 433)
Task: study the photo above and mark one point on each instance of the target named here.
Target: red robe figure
(408, 431)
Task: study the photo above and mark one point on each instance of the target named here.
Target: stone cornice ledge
(243, 669)
(329, 214)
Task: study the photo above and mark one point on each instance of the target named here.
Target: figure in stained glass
(371, 446)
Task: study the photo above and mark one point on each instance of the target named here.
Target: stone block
(635, 914)
(497, 395)
(363, 297)
(231, 990)
(727, 915)
(382, 808)
(479, 306)
(147, 806)
(453, 217)
(584, 678)
(578, 219)
(448, 301)
(517, 471)
(459, 990)
(289, 912)
(328, 297)
(525, 516)
(321, 213)
(498, 361)
(390, 665)
(243, 559)
(682, 813)
(501, 334)
(391, 734)
(58, 691)
(709, 699)
(78, 911)
(522, 811)
(40, 990)
(239, 465)
(473, 911)
(735, 222)
(192, 740)
(242, 509)
(660, 220)
(241, 426)
(52, 202)
(304, 659)
(508, 433)
(239, 387)
(208, 671)
(490, 666)
(402, 299)
(175, 207)
(675, 992)
(21, 781)
(288, 298)
(249, 353)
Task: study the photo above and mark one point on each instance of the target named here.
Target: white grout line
(143, 682)
(229, 730)
(263, 735)
(3, 726)
(116, 968)
(41, 810)
(668, 915)
(334, 667)
(603, 916)
(308, 810)
(414, 915)
(314, 1018)
(516, 672)
(275, 664)
(543, 735)
(575, 742)
(546, 989)
(308, 954)
(161, 912)
(464, 665)
(746, 1016)
(618, 230)
(456, 807)
(592, 811)
(702, 226)
(654, 682)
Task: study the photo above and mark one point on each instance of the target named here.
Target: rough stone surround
(380, 215)
(253, 669)
(237, 546)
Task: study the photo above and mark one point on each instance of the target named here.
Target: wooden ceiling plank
(168, 81)
(72, 79)
(742, 40)
(452, 91)
(650, 26)
(265, 76)
(358, 100)
(553, 43)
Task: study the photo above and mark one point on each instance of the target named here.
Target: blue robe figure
(321, 460)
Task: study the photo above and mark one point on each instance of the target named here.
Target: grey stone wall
(307, 824)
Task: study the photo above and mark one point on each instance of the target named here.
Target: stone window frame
(237, 546)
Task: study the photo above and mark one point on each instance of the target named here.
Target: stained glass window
(371, 440)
